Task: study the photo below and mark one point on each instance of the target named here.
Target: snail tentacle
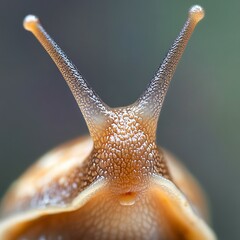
(94, 110)
(150, 103)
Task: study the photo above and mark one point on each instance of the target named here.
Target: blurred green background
(117, 46)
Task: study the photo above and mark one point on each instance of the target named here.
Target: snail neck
(126, 154)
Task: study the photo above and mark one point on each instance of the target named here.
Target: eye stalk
(91, 106)
(150, 103)
(196, 13)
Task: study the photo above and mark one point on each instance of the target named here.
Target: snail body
(116, 184)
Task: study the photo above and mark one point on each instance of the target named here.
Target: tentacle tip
(30, 22)
(196, 13)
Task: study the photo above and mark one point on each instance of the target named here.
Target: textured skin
(126, 155)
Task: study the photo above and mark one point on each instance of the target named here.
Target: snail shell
(116, 184)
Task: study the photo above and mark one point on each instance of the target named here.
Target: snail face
(117, 185)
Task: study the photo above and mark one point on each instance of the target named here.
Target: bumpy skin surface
(125, 154)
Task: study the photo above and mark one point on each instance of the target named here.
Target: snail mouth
(128, 198)
(129, 195)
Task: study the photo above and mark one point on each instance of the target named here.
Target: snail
(117, 183)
